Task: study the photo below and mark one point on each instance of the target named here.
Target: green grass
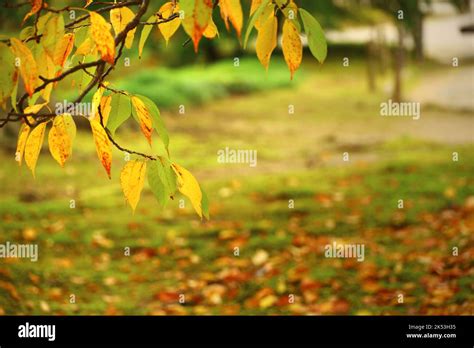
(74, 238)
(197, 84)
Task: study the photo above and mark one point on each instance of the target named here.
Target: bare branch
(164, 20)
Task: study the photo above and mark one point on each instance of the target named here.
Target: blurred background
(428, 57)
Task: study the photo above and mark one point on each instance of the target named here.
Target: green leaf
(205, 204)
(42, 22)
(162, 180)
(80, 35)
(120, 110)
(6, 77)
(27, 32)
(53, 32)
(294, 15)
(155, 183)
(158, 123)
(144, 35)
(316, 40)
(81, 78)
(13, 96)
(33, 99)
(253, 19)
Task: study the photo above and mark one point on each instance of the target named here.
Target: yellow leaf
(268, 11)
(105, 106)
(168, 29)
(60, 138)
(20, 147)
(144, 118)
(46, 69)
(132, 179)
(28, 67)
(86, 48)
(144, 35)
(292, 47)
(268, 301)
(211, 30)
(267, 40)
(120, 17)
(102, 145)
(34, 109)
(53, 32)
(232, 10)
(33, 146)
(36, 5)
(96, 101)
(102, 37)
(188, 186)
(63, 49)
(197, 14)
(255, 4)
(8, 75)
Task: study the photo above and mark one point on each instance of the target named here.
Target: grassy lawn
(281, 250)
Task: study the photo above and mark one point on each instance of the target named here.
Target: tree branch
(99, 75)
(121, 148)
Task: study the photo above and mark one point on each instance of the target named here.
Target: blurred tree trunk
(417, 33)
(8, 137)
(371, 66)
(210, 51)
(9, 132)
(398, 65)
(383, 53)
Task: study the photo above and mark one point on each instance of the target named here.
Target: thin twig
(121, 148)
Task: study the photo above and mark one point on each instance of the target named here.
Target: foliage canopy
(55, 45)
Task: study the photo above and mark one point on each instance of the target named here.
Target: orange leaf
(144, 117)
(36, 5)
(63, 49)
(102, 145)
(28, 67)
(232, 10)
(100, 32)
(197, 14)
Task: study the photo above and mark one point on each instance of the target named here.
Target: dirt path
(326, 123)
(453, 89)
